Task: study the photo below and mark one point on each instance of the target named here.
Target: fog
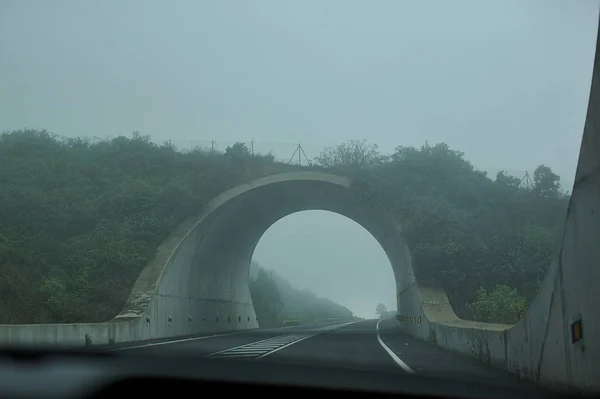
(507, 82)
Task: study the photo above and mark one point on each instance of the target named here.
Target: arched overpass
(205, 272)
(199, 279)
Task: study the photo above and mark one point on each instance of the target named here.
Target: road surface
(369, 344)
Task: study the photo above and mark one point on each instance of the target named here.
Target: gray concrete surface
(198, 282)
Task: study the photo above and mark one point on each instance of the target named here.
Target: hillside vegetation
(276, 300)
(487, 242)
(79, 221)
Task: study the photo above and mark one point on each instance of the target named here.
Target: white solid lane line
(390, 352)
(178, 341)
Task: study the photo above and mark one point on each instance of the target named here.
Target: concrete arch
(206, 277)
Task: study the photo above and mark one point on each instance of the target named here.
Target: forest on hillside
(79, 220)
(487, 242)
(276, 300)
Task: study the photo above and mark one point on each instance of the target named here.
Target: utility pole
(252, 146)
(300, 151)
(528, 181)
(212, 145)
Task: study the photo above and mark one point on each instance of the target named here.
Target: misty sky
(507, 82)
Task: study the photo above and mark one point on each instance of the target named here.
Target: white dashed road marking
(259, 349)
(256, 350)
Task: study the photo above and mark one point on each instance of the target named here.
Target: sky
(506, 82)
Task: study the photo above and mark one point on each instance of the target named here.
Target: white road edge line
(197, 339)
(335, 327)
(177, 341)
(390, 352)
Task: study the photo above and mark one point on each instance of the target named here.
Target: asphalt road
(369, 345)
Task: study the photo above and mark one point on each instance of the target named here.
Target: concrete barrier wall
(539, 347)
(517, 348)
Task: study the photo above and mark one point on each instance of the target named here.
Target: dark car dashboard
(29, 373)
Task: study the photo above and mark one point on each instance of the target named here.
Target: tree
(546, 183)
(502, 305)
(238, 150)
(505, 179)
(303, 306)
(353, 154)
(381, 310)
(267, 300)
